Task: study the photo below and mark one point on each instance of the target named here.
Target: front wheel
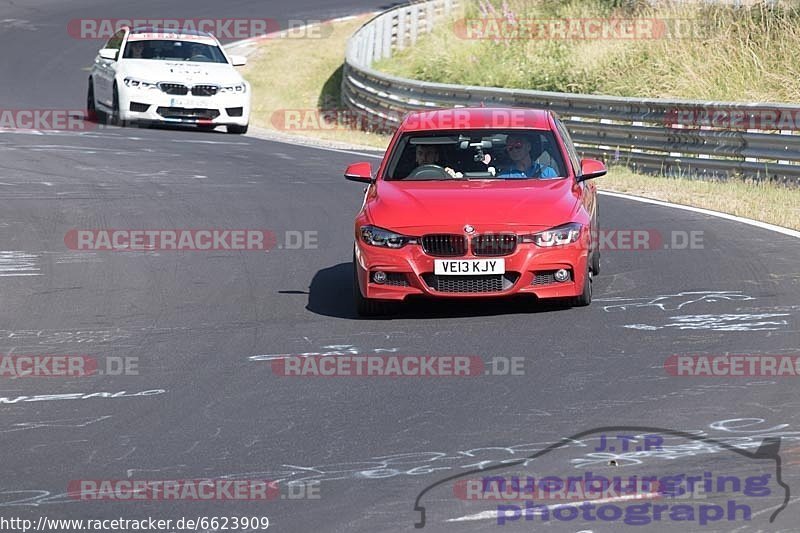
(237, 130)
(92, 114)
(596, 253)
(115, 114)
(586, 296)
(596, 262)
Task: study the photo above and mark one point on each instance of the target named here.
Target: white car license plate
(188, 103)
(468, 267)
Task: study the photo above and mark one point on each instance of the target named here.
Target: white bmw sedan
(143, 75)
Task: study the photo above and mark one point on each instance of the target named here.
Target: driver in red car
(518, 148)
(428, 154)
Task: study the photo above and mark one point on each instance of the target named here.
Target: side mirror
(108, 53)
(238, 61)
(591, 168)
(361, 172)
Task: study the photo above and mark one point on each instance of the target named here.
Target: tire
(368, 307)
(237, 130)
(596, 254)
(596, 262)
(586, 297)
(92, 113)
(115, 120)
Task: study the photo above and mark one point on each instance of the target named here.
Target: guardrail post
(400, 43)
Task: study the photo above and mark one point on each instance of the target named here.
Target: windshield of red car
(492, 154)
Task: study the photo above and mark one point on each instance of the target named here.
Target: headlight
(382, 237)
(139, 84)
(559, 236)
(239, 88)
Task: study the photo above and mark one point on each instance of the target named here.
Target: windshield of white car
(476, 154)
(169, 50)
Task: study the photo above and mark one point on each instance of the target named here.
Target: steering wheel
(198, 57)
(429, 172)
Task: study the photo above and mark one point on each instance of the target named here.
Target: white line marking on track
(195, 141)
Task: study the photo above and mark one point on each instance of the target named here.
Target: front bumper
(152, 105)
(529, 269)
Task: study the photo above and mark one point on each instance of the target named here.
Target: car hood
(486, 204)
(187, 72)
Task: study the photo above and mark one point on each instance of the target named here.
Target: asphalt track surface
(202, 406)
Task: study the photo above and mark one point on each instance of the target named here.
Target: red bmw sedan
(476, 202)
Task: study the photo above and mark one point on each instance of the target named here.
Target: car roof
(159, 29)
(477, 118)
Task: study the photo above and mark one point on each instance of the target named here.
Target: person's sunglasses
(516, 145)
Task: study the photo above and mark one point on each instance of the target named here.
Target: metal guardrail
(645, 134)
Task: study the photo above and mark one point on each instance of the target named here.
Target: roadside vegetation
(693, 50)
(294, 80)
(766, 202)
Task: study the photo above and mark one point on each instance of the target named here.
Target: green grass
(304, 75)
(747, 54)
(774, 204)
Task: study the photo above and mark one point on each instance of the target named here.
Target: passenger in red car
(522, 163)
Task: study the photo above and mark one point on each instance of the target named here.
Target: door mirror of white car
(108, 53)
(238, 61)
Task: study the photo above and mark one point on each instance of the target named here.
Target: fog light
(379, 277)
(562, 275)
